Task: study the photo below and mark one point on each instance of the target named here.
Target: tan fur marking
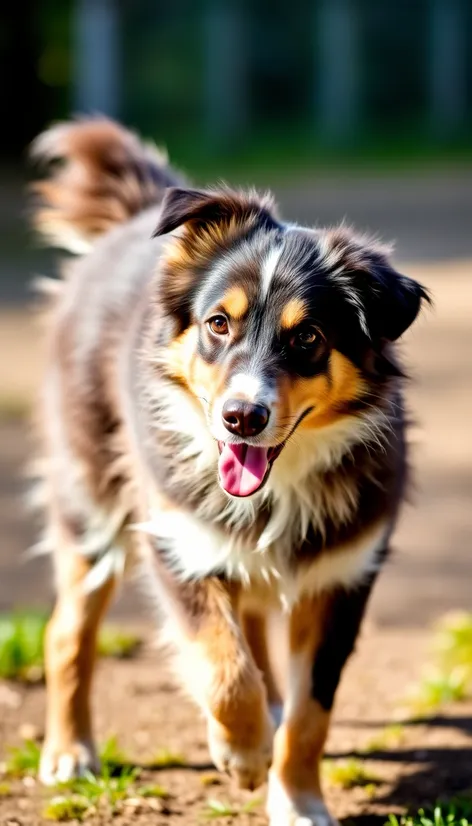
(70, 653)
(293, 313)
(298, 749)
(218, 668)
(236, 698)
(255, 630)
(204, 380)
(235, 303)
(180, 353)
(327, 395)
(197, 245)
(305, 624)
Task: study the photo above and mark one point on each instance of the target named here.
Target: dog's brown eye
(218, 325)
(306, 337)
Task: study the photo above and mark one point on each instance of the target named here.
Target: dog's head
(274, 328)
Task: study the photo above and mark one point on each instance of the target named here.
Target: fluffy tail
(106, 176)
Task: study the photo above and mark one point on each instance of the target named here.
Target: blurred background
(348, 109)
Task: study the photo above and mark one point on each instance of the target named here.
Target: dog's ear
(201, 208)
(392, 301)
(180, 206)
(211, 222)
(386, 302)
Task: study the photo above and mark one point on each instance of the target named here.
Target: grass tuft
(348, 774)
(107, 790)
(438, 687)
(210, 779)
(84, 795)
(62, 808)
(112, 756)
(166, 759)
(152, 790)
(21, 646)
(220, 808)
(449, 679)
(22, 643)
(23, 760)
(389, 738)
(457, 812)
(113, 642)
(453, 642)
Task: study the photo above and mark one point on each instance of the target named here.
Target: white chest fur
(197, 550)
(197, 546)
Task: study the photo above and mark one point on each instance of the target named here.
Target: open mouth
(244, 468)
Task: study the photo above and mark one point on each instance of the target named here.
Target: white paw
(59, 765)
(248, 766)
(298, 809)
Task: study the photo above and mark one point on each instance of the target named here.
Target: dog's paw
(295, 809)
(61, 764)
(248, 766)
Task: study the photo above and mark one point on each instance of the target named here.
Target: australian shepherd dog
(222, 408)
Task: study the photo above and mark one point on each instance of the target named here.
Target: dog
(222, 409)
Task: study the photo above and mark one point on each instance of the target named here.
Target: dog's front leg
(323, 630)
(218, 670)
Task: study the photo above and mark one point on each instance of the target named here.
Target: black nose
(244, 418)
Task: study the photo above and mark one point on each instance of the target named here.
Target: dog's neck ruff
(209, 532)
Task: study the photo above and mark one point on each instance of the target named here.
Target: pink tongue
(242, 468)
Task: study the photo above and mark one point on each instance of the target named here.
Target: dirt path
(146, 713)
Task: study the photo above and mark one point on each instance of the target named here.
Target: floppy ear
(180, 206)
(211, 220)
(393, 302)
(200, 208)
(386, 303)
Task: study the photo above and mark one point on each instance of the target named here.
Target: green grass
(390, 737)
(166, 759)
(449, 677)
(152, 790)
(112, 756)
(107, 790)
(22, 641)
(457, 812)
(220, 808)
(61, 808)
(23, 760)
(438, 688)
(453, 641)
(348, 774)
(210, 779)
(117, 783)
(21, 646)
(103, 794)
(112, 642)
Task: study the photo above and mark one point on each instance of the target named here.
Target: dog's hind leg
(70, 654)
